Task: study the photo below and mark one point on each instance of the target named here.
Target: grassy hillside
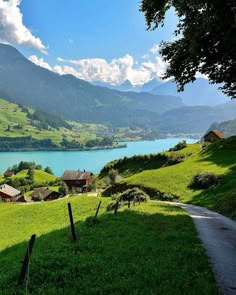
(219, 158)
(14, 116)
(153, 248)
(39, 176)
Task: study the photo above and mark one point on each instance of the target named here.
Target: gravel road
(218, 235)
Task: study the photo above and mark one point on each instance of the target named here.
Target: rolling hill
(18, 121)
(174, 180)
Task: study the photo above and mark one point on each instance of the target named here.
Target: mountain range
(200, 92)
(23, 82)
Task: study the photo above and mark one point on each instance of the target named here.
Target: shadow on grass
(131, 253)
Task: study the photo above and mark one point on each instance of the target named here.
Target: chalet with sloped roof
(213, 136)
(9, 193)
(77, 179)
(44, 194)
(8, 173)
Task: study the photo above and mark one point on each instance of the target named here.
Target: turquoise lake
(92, 160)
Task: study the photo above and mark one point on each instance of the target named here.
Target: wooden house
(77, 179)
(8, 173)
(44, 194)
(213, 136)
(9, 193)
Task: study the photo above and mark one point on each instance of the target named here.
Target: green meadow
(219, 158)
(152, 248)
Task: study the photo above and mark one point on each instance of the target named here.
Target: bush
(173, 159)
(205, 180)
(130, 195)
(133, 195)
(226, 204)
(179, 146)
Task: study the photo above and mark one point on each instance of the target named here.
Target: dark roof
(76, 175)
(43, 192)
(8, 173)
(216, 132)
(9, 190)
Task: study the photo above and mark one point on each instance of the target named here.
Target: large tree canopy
(206, 40)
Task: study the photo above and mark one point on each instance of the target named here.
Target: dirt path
(218, 235)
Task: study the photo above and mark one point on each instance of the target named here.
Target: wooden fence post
(26, 260)
(116, 208)
(98, 209)
(72, 222)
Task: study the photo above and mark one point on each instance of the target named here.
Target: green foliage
(63, 189)
(131, 195)
(25, 142)
(107, 253)
(130, 165)
(45, 120)
(226, 203)
(48, 170)
(205, 180)
(202, 43)
(23, 165)
(112, 174)
(179, 146)
(30, 174)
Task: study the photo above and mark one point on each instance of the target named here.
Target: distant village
(75, 181)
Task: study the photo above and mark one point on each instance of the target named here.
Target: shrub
(173, 159)
(179, 146)
(226, 203)
(131, 195)
(205, 180)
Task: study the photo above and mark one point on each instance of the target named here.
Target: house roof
(76, 175)
(9, 190)
(43, 192)
(216, 132)
(8, 173)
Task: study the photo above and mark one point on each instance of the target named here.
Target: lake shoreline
(119, 146)
(90, 160)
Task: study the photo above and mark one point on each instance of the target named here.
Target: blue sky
(94, 40)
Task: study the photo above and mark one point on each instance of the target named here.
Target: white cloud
(12, 29)
(115, 72)
(155, 49)
(39, 62)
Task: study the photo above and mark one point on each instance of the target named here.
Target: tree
(48, 170)
(112, 174)
(206, 40)
(30, 174)
(63, 189)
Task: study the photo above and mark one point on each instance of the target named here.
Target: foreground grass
(151, 249)
(219, 158)
(20, 221)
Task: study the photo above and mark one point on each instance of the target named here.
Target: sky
(98, 40)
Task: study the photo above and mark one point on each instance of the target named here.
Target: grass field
(150, 249)
(219, 158)
(39, 176)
